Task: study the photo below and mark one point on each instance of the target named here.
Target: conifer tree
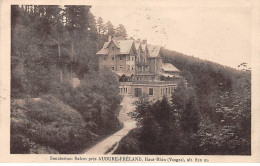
(120, 31)
(110, 29)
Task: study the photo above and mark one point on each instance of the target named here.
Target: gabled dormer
(138, 48)
(113, 47)
(154, 51)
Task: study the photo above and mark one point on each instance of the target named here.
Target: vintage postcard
(139, 81)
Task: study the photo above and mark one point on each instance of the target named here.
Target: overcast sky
(217, 31)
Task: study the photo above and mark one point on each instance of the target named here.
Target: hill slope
(47, 125)
(211, 116)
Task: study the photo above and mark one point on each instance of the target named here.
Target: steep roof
(154, 50)
(169, 67)
(116, 43)
(104, 50)
(143, 46)
(123, 45)
(137, 44)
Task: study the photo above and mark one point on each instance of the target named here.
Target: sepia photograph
(131, 78)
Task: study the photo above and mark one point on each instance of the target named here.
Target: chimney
(144, 41)
(109, 38)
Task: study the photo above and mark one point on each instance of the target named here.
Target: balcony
(141, 64)
(155, 82)
(143, 73)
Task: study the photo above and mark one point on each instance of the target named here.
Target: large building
(139, 67)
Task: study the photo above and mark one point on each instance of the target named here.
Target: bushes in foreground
(47, 123)
(68, 122)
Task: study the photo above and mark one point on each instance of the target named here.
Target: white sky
(219, 31)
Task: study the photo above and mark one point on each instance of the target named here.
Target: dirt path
(109, 145)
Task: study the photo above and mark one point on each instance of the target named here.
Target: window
(112, 67)
(132, 67)
(150, 91)
(121, 66)
(161, 91)
(120, 57)
(126, 89)
(105, 58)
(166, 91)
(128, 67)
(113, 48)
(128, 58)
(132, 58)
(113, 57)
(169, 91)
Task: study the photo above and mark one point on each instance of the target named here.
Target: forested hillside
(50, 46)
(212, 115)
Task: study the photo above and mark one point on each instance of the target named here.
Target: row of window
(131, 68)
(121, 67)
(128, 67)
(123, 90)
(169, 90)
(164, 91)
(144, 78)
(120, 58)
(144, 68)
(113, 58)
(129, 58)
(140, 59)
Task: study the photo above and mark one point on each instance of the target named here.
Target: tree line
(50, 45)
